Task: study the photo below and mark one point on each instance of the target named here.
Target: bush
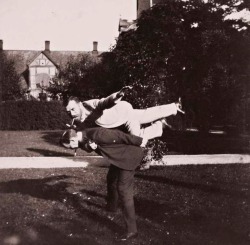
(32, 115)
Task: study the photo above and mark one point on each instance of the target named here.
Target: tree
(189, 49)
(179, 48)
(84, 77)
(71, 79)
(9, 79)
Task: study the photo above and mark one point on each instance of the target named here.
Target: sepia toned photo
(125, 122)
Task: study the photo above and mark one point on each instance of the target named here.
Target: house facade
(41, 70)
(37, 68)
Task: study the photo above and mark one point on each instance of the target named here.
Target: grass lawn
(186, 142)
(46, 143)
(174, 204)
(208, 204)
(34, 144)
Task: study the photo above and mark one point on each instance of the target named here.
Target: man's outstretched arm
(108, 102)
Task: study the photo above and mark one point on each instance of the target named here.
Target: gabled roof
(47, 55)
(23, 58)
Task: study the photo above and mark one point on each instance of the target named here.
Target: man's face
(74, 110)
(77, 111)
(74, 143)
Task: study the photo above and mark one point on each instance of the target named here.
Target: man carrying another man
(124, 154)
(123, 151)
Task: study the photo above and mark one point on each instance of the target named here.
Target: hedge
(32, 115)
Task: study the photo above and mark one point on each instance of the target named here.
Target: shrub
(32, 115)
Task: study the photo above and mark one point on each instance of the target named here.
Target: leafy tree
(188, 49)
(9, 79)
(104, 75)
(86, 78)
(73, 79)
(180, 48)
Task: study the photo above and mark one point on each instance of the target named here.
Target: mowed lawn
(34, 144)
(207, 204)
(180, 205)
(46, 143)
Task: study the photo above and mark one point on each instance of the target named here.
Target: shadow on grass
(189, 225)
(44, 152)
(55, 189)
(52, 137)
(187, 218)
(47, 236)
(197, 213)
(208, 188)
(93, 193)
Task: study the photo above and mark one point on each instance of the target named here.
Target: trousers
(138, 117)
(120, 185)
(123, 113)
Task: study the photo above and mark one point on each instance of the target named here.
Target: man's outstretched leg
(152, 114)
(138, 117)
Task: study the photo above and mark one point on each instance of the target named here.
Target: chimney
(143, 5)
(95, 51)
(47, 46)
(1, 45)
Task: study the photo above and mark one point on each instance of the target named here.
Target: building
(146, 4)
(37, 68)
(142, 5)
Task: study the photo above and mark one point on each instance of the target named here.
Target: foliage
(188, 49)
(180, 48)
(9, 79)
(71, 78)
(84, 77)
(104, 76)
(32, 115)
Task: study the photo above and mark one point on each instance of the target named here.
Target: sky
(67, 24)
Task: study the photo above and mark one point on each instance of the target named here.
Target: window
(42, 62)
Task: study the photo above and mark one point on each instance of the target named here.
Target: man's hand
(123, 91)
(71, 125)
(144, 142)
(165, 124)
(92, 145)
(179, 106)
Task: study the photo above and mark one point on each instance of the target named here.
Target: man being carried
(111, 112)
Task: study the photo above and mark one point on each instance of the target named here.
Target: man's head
(69, 139)
(73, 108)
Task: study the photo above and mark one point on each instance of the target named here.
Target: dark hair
(76, 99)
(66, 136)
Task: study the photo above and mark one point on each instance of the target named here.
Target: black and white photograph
(125, 122)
